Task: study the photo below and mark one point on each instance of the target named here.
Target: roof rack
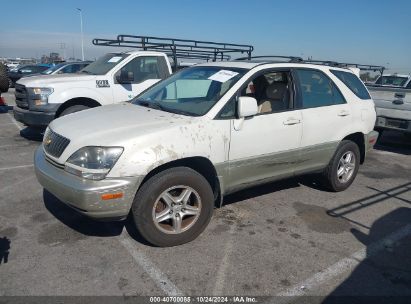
(364, 67)
(291, 58)
(178, 48)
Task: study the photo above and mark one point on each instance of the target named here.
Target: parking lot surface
(288, 238)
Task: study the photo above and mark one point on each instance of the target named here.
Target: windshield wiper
(156, 105)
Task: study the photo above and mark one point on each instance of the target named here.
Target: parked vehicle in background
(171, 154)
(393, 107)
(395, 80)
(65, 68)
(113, 78)
(26, 70)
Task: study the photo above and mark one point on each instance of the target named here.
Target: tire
(148, 204)
(73, 109)
(4, 84)
(332, 180)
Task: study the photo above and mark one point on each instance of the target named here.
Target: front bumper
(85, 195)
(388, 123)
(33, 118)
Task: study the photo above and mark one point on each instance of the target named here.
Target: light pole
(81, 27)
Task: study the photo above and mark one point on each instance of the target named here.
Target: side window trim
(297, 83)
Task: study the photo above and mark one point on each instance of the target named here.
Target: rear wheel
(343, 167)
(173, 207)
(74, 109)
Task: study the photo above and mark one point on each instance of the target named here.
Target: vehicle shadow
(311, 180)
(384, 276)
(88, 226)
(392, 141)
(34, 134)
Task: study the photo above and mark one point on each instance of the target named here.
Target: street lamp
(81, 27)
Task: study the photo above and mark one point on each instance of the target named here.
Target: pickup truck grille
(54, 144)
(21, 96)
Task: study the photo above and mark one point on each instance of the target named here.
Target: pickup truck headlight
(39, 96)
(93, 162)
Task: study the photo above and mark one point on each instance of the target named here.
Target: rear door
(326, 117)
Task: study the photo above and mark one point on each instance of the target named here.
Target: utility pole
(81, 28)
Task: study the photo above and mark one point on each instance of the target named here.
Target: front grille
(54, 144)
(21, 96)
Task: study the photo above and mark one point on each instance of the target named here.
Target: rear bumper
(370, 139)
(85, 195)
(33, 118)
(387, 123)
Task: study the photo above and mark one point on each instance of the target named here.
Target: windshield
(192, 91)
(392, 80)
(52, 69)
(104, 64)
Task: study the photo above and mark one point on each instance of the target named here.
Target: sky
(362, 31)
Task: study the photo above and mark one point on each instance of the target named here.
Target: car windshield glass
(104, 64)
(192, 91)
(52, 69)
(393, 80)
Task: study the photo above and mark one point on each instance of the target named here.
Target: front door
(265, 147)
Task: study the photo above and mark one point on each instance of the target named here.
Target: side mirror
(125, 77)
(247, 106)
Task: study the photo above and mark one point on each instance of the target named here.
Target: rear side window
(353, 83)
(318, 90)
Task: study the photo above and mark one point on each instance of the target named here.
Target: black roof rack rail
(178, 48)
(291, 58)
(364, 67)
(323, 62)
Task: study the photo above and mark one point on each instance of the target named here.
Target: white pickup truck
(115, 77)
(392, 97)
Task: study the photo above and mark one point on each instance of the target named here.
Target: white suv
(169, 157)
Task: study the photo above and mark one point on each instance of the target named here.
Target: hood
(45, 80)
(114, 124)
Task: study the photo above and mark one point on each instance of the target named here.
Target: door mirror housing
(125, 77)
(247, 106)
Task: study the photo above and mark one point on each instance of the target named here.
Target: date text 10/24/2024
(203, 299)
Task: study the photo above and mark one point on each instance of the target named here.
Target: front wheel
(343, 167)
(173, 207)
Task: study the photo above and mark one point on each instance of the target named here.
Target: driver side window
(272, 90)
(143, 68)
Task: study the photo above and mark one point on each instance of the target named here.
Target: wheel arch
(200, 164)
(83, 101)
(358, 138)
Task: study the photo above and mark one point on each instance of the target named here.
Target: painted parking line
(16, 167)
(222, 270)
(159, 278)
(345, 264)
(15, 122)
(23, 181)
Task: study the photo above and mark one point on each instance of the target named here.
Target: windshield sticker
(223, 75)
(114, 59)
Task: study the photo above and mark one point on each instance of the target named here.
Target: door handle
(344, 113)
(291, 121)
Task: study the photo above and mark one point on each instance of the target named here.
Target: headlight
(93, 162)
(40, 96)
